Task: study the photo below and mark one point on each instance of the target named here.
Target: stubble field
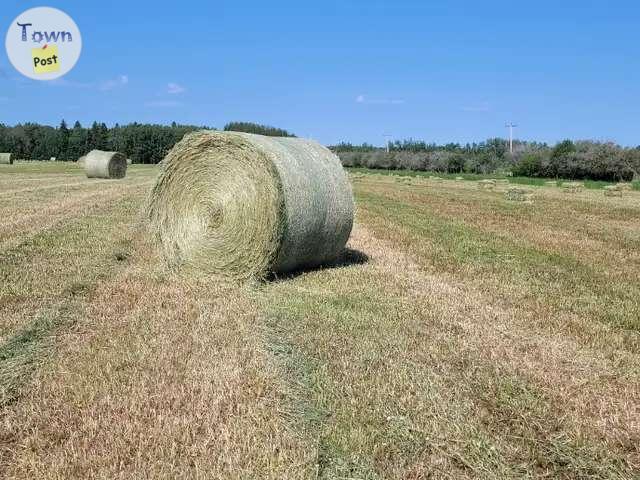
(460, 336)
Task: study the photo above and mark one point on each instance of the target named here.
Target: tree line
(573, 160)
(148, 143)
(249, 127)
(142, 143)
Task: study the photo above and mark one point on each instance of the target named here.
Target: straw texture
(244, 205)
(6, 159)
(99, 164)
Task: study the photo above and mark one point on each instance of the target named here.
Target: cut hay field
(461, 336)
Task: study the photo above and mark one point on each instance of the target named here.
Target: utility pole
(386, 140)
(510, 126)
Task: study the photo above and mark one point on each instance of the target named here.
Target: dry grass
(481, 339)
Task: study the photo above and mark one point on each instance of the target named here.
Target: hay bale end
(245, 205)
(99, 164)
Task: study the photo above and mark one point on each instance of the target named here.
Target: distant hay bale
(244, 205)
(6, 159)
(129, 161)
(572, 187)
(52, 159)
(458, 179)
(99, 164)
(488, 184)
(435, 178)
(519, 195)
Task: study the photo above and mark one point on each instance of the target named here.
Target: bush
(529, 165)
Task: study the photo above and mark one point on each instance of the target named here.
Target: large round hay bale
(6, 159)
(244, 205)
(99, 164)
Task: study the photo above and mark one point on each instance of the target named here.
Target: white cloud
(163, 103)
(174, 88)
(380, 101)
(119, 81)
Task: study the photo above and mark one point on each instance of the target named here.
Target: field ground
(461, 336)
(534, 182)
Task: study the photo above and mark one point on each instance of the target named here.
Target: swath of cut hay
(616, 190)
(6, 159)
(623, 186)
(99, 164)
(551, 183)
(572, 187)
(519, 195)
(245, 205)
(487, 184)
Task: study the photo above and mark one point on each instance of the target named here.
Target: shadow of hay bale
(347, 258)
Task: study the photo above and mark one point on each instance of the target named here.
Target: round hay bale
(129, 161)
(245, 205)
(6, 159)
(99, 164)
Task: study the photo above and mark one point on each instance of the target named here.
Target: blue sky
(347, 70)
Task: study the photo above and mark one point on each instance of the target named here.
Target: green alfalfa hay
(244, 205)
(99, 164)
(6, 159)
